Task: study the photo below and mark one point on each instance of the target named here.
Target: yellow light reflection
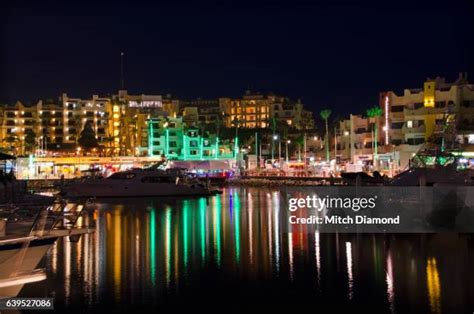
(434, 285)
(117, 220)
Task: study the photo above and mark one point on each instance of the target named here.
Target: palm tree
(375, 113)
(236, 124)
(325, 114)
(30, 140)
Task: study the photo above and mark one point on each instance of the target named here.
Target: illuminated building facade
(200, 111)
(423, 114)
(169, 137)
(252, 110)
(129, 115)
(16, 121)
(119, 122)
(76, 113)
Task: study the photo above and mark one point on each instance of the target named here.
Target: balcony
(420, 129)
(423, 111)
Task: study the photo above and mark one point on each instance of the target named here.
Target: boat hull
(18, 261)
(104, 190)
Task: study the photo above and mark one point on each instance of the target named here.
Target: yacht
(148, 182)
(441, 169)
(439, 188)
(27, 232)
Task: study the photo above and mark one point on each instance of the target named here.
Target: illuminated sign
(146, 104)
(386, 120)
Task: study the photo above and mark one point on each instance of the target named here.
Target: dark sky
(329, 55)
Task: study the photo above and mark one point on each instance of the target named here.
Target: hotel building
(119, 122)
(415, 119)
(252, 110)
(424, 114)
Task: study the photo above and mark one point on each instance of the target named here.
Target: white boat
(149, 182)
(27, 232)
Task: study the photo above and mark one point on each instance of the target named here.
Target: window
(396, 142)
(193, 144)
(397, 125)
(397, 109)
(173, 144)
(440, 104)
(410, 124)
(415, 141)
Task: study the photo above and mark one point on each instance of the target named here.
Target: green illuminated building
(170, 137)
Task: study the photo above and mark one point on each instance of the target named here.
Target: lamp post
(304, 149)
(275, 138)
(279, 152)
(287, 142)
(273, 148)
(256, 148)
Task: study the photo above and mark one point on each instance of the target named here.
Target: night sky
(329, 55)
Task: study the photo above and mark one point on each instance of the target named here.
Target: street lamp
(275, 137)
(287, 142)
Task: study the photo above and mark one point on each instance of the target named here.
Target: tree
(30, 140)
(325, 114)
(11, 139)
(236, 124)
(87, 139)
(375, 113)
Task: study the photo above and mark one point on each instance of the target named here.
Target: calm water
(228, 253)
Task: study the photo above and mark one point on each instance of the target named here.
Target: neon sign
(145, 104)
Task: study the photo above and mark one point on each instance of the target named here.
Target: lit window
(410, 124)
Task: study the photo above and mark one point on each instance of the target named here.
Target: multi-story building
(200, 111)
(76, 113)
(128, 126)
(418, 117)
(17, 119)
(252, 110)
(423, 114)
(121, 122)
(170, 138)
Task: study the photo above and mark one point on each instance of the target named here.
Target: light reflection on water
(151, 251)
